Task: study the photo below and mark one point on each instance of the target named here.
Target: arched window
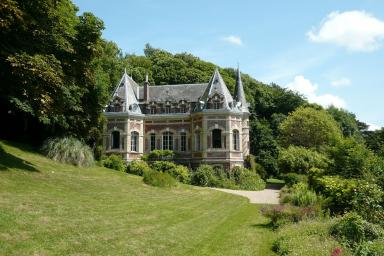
(236, 140)
(183, 141)
(167, 141)
(115, 139)
(197, 141)
(135, 141)
(216, 138)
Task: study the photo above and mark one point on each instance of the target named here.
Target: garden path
(266, 196)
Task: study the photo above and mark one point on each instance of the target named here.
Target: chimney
(146, 88)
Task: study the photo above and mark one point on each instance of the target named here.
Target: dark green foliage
(68, 150)
(302, 196)
(353, 230)
(371, 248)
(342, 195)
(300, 160)
(375, 141)
(309, 128)
(203, 176)
(159, 179)
(138, 167)
(353, 160)
(251, 163)
(115, 162)
(237, 178)
(159, 155)
(264, 146)
(246, 179)
(46, 57)
(346, 120)
(179, 172)
(293, 178)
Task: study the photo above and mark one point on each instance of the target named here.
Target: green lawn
(48, 208)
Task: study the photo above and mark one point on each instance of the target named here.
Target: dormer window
(216, 104)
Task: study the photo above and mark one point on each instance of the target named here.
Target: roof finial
(125, 70)
(146, 77)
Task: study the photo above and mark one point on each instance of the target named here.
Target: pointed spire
(239, 91)
(217, 86)
(124, 91)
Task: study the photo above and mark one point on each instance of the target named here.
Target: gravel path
(266, 196)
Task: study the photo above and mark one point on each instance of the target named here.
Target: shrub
(256, 167)
(138, 167)
(338, 192)
(114, 162)
(283, 214)
(179, 172)
(159, 179)
(342, 195)
(203, 176)
(371, 248)
(352, 159)
(301, 196)
(68, 150)
(163, 166)
(159, 155)
(309, 237)
(293, 178)
(353, 229)
(246, 179)
(300, 160)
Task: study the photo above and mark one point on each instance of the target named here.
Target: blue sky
(332, 51)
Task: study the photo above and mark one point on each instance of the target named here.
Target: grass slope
(47, 208)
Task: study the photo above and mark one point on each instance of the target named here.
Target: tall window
(115, 139)
(183, 141)
(167, 141)
(197, 141)
(153, 110)
(236, 140)
(167, 109)
(134, 141)
(153, 141)
(183, 109)
(216, 138)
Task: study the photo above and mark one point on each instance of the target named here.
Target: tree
(47, 56)
(309, 128)
(346, 120)
(264, 146)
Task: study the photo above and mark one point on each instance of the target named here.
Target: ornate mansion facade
(201, 123)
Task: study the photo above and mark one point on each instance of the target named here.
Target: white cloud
(354, 30)
(373, 127)
(233, 40)
(342, 82)
(305, 87)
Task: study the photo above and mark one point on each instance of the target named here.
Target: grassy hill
(47, 208)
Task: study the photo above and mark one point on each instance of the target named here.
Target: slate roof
(125, 91)
(217, 86)
(177, 92)
(239, 94)
(130, 94)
